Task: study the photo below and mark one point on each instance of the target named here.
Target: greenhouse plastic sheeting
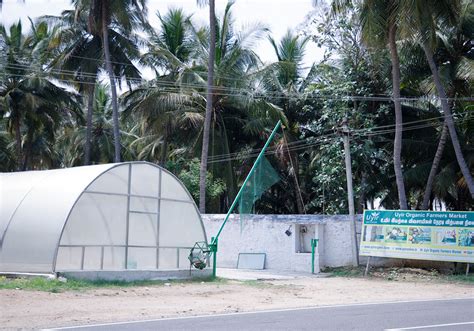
(132, 215)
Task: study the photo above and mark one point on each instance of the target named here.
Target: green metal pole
(234, 203)
(213, 249)
(314, 244)
(213, 245)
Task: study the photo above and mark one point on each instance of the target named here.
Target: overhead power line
(170, 87)
(220, 90)
(323, 139)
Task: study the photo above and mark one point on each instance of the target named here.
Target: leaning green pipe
(213, 245)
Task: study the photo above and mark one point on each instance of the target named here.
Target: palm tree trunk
(397, 144)
(113, 89)
(28, 151)
(164, 151)
(26, 159)
(362, 195)
(293, 158)
(434, 167)
(230, 175)
(207, 120)
(299, 198)
(88, 143)
(448, 117)
(19, 157)
(299, 204)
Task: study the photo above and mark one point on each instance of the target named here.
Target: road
(456, 314)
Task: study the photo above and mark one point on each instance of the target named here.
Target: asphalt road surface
(456, 314)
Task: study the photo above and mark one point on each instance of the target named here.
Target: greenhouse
(109, 217)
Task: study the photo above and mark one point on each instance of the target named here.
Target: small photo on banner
(395, 234)
(445, 237)
(466, 237)
(419, 235)
(373, 233)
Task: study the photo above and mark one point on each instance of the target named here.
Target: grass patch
(56, 285)
(256, 283)
(345, 271)
(265, 284)
(400, 274)
(469, 279)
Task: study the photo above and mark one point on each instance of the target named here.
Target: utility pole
(350, 192)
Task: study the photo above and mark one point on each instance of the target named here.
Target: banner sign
(421, 235)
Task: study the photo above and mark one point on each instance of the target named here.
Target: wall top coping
(291, 219)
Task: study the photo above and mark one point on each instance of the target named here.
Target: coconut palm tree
(161, 107)
(7, 157)
(209, 106)
(120, 17)
(69, 144)
(423, 23)
(285, 84)
(176, 100)
(239, 110)
(169, 48)
(79, 58)
(34, 106)
(380, 24)
(160, 112)
(454, 63)
(15, 53)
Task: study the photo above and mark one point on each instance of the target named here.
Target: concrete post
(350, 192)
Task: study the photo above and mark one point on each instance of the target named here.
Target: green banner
(422, 235)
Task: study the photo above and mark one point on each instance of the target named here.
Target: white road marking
(429, 326)
(249, 313)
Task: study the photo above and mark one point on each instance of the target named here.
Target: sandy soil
(31, 309)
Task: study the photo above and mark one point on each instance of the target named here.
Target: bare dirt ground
(21, 309)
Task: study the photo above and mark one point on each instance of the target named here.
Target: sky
(278, 15)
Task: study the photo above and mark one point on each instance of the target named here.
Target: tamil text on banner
(421, 235)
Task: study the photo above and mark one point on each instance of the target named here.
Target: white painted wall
(266, 234)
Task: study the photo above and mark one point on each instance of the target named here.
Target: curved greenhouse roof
(132, 215)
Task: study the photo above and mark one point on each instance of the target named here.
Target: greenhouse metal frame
(109, 217)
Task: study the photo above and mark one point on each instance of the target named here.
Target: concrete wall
(136, 275)
(266, 234)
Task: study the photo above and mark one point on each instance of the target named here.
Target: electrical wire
(321, 140)
(295, 175)
(216, 75)
(365, 132)
(224, 90)
(298, 145)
